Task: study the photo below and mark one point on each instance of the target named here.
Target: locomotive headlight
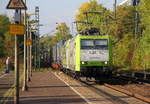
(83, 62)
(106, 62)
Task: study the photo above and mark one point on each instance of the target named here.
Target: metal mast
(25, 86)
(37, 37)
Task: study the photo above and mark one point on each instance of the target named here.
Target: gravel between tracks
(140, 89)
(135, 88)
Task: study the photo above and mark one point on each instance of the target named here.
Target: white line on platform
(2, 76)
(75, 90)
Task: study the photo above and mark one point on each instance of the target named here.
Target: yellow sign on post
(17, 29)
(29, 42)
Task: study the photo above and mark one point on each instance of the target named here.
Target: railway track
(125, 80)
(134, 80)
(139, 83)
(140, 97)
(129, 80)
(96, 87)
(111, 93)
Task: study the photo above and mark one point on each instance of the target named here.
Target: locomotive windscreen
(101, 44)
(94, 43)
(94, 50)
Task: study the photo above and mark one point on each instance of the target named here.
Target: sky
(52, 11)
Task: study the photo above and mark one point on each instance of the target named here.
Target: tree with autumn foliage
(92, 14)
(130, 50)
(142, 55)
(62, 33)
(121, 31)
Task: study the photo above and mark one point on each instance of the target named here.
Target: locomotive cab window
(101, 44)
(94, 44)
(87, 43)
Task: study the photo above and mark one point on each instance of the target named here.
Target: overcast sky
(52, 11)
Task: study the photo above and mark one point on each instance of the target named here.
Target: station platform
(6, 83)
(53, 87)
(46, 88)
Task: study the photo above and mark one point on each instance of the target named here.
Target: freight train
(88, 54)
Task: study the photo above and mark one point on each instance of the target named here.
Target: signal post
(16, 30)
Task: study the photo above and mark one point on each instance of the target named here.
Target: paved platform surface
(52, 87)
(46, 88)
(6, 82)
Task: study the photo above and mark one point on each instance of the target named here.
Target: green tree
(94, 13)
(124, 23)
(1, 47)
(131, 49)
(45, 42)
(144, 40)
(9, 44)
(63, 32)
(4, 23)
(54, 40)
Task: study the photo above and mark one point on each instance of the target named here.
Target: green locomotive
(87, 55)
